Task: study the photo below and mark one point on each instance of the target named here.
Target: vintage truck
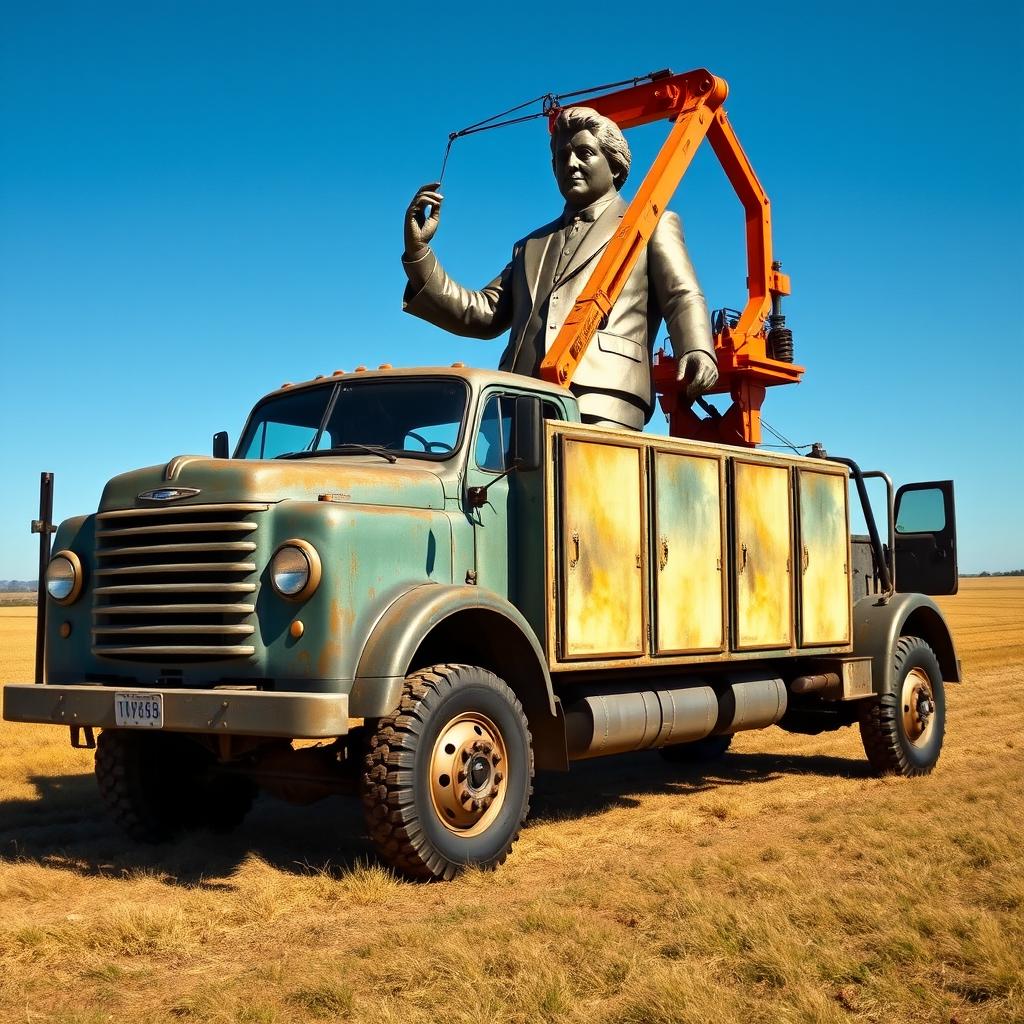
(420, 584)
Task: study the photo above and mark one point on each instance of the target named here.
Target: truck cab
(445, 580)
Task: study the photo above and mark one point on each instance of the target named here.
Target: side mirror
(527, 449)
(220, 445)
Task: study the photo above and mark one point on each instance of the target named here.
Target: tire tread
(388, 777)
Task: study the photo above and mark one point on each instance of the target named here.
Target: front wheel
(448, 776)
(902, 731)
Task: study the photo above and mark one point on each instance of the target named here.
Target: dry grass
(784, 885)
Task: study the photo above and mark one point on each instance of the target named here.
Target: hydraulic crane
(753, 346)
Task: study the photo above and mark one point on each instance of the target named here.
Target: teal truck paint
(448, 581)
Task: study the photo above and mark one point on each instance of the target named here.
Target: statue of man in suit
(549, 268)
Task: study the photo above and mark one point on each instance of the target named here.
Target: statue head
(589, 155)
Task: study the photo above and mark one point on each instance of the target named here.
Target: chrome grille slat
(174, 609)
(175, 583)
(192, 630)
(183, 549)
(128, 570)
(181, 510)
(178, 588)
(145, 531)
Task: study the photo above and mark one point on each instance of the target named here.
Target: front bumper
(224, 711)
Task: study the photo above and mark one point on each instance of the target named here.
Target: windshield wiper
(348, 446)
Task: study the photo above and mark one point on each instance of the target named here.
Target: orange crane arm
(694, 102)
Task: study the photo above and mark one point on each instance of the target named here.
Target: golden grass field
(784, 884)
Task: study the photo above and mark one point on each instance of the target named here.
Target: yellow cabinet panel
(824, 551)
(688, 554)
(761, 558)
(602, 511)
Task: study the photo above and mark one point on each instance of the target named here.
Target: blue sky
(199, 201)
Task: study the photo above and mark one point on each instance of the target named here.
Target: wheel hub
(918, 707)
(467, 773)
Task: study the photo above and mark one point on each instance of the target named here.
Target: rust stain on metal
(602, 546)
(824, 583)
(761, 558)
(340, 621)
(688, 524)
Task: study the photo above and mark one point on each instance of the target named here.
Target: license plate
(139, 710)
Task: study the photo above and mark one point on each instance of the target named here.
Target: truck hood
(352, 479)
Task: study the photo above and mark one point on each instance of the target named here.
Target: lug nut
(461, 776)
(498, 776)
(464, 755)
(496, 758)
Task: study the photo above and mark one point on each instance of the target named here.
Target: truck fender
(878, 625)
(437, 623)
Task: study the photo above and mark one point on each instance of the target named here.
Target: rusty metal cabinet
(824, 547)
(602, 511)
(762, 587)
(689, 605)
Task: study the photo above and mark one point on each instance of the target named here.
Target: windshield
(411, 417)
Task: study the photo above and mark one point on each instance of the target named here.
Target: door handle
(576, 544)
(663, 556)
(743, 557)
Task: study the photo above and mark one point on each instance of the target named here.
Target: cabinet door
(824, 559)
(601, 520)
(761, 558)
(687, 554)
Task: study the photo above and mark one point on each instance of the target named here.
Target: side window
(495, 435)
(550, 411)
(922, 511)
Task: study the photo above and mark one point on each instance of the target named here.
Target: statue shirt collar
(589, 213)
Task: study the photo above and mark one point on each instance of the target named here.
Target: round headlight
(64, 577)
(295, 570)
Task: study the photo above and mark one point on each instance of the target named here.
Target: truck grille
(176, 583)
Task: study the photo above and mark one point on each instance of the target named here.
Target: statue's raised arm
(535, 292)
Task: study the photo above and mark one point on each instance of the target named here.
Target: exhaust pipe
(615, 723)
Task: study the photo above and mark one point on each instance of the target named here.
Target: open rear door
(926, 538)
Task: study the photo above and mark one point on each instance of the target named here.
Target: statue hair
(608, 134)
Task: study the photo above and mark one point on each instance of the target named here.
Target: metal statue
(549, 268)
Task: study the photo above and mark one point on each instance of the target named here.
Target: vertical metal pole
(44, 527)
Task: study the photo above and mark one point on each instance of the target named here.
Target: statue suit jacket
(662, 286)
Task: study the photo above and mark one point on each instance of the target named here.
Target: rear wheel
(903, 731)
(448, 777)
(156, 785)
(711, 748)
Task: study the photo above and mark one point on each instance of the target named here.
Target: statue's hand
(698, 372)
(420, 227)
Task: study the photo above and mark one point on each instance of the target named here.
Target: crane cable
(549, 101)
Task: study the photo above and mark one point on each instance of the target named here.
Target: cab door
(926, 539)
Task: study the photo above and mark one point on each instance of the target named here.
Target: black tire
(157, 785)
(711, 748)
(403, 803)
(891, 748)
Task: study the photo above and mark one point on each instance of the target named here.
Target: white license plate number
(139, 710)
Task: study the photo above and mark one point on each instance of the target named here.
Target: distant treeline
(978, 575)
(17, 586)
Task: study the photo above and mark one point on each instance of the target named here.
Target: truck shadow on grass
(66, 827)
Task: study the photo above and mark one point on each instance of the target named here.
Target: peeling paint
(824, 536)
(763, 578)
(602, 539)
(688, 553)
